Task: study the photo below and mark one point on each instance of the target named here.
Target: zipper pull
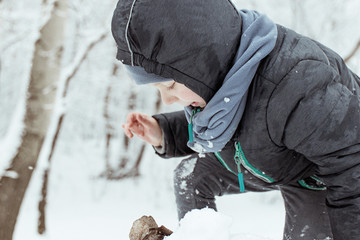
(190, 130)
(240, 175)
(241, 182)
(190, 126)
(237, 155)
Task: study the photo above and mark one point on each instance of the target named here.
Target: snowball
(204, 224)
(226, 99)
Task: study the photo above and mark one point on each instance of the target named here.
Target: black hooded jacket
(302, 116)
(169, 38)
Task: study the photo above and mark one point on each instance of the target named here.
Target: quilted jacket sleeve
(174, 127)
(315, 111)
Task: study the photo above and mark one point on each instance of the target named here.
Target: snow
(206, 224)
(12, 140)
(303, 231)
(188, 168)
(11, 174)
(82, 206)
(198, 148)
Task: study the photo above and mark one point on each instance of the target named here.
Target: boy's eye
(171, 86)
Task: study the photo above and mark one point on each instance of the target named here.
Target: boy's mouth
(196, 104)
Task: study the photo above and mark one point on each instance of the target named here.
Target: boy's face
(172, 92)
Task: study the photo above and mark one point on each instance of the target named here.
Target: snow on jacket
(303, 108)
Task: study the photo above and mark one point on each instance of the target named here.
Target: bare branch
(128, 173)
(353, 52)
(108, 126)
(81, 60)
(43, 201)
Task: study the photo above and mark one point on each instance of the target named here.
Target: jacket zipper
(241, 160)
(239, 174)
(249, 167)
(305, 185)
(190, 126)
(237, 158)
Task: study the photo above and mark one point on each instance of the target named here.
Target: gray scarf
(214, 126)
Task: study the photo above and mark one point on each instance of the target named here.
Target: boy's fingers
(142, 119)
(145, 120)
(136, 123)
(132, 121)
(137, 128)
(127, 130)
(128, 118)
(131, 118)
(128, 133)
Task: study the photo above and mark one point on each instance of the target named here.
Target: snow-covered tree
(45, 73)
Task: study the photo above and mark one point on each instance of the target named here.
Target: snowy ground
(207, 224)
(107, 209)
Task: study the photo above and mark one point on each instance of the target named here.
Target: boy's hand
(143, 126)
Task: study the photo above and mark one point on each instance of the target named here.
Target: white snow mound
(204, 224)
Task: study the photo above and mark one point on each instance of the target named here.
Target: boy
(264, 108)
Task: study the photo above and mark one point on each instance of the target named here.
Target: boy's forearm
(174, 128)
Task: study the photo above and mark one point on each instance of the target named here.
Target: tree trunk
(40, 99)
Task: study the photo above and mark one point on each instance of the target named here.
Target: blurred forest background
(63, 97)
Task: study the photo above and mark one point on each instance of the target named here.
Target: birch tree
(40, 98)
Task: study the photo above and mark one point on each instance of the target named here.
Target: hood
(191, 41)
